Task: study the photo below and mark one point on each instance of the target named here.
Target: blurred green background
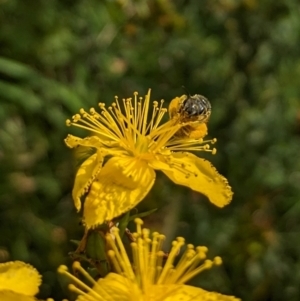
(243, 55)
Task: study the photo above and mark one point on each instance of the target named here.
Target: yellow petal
(85, 175)
(92, 141)
(89, 168)
(117, 287)
(19, 277)
(198, 174)
(11, 296)
(122, 183)
(188, 293)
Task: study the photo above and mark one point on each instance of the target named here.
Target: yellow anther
(217, 260)
(138, 221)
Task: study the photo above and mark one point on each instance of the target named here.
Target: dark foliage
(243, 55)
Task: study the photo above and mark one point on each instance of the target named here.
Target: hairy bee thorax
(196, 106)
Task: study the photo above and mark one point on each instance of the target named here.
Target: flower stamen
(120, 254)
(148, 259)
(147, 279)
(171, 257)
(192, 145)
(83, 288)
(115, 262)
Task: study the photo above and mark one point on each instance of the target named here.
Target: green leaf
(123, 222)
(143, 214)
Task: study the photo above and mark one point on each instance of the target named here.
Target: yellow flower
(18, 281)
(128, 148)
(148, 279)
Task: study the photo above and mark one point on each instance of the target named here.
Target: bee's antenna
(186, 90)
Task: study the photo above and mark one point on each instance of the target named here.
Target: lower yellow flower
(18, 281)
(148, 279)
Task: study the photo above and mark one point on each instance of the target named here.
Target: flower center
(135, 129)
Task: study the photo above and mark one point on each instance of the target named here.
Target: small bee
(195, 111)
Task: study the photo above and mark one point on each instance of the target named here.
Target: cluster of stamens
(127, 124)
(148, 266)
